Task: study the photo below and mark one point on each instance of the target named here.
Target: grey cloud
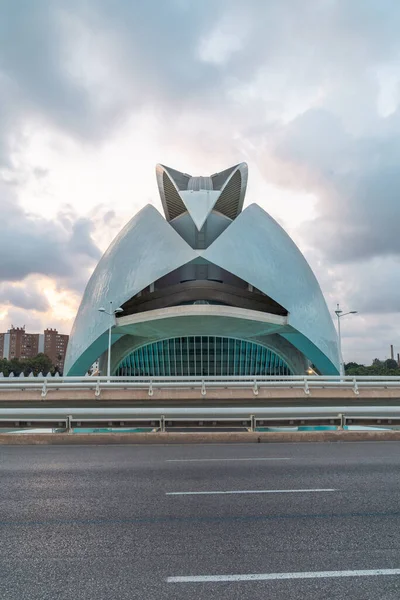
(33, 64)
(108, 217)
(80, 242)
(40, 173)
(367, 338)
(31, 244)
(146, 54)
(356, 179)
(375, 289)
(18, 317)
(371, 287)
(151, 46)
(27, 297)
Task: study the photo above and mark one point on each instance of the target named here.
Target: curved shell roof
(253, 247)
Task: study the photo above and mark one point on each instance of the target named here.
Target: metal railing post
(342, 418)
(44, 389)
(69, 427)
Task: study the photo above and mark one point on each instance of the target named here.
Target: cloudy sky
(93, 93)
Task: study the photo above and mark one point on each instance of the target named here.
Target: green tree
(377, 363)
(41, 363)
(390, 363)
(352, 365)
(379, 368)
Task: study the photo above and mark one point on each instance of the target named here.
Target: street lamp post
(111, 314)
(339, 313)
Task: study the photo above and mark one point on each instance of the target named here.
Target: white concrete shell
(252, 247)
(257, 249)
(146, 249)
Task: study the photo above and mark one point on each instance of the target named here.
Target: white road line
(251, 492)
(279, 576)
(220, 459)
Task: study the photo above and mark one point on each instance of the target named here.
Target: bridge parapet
(301, 390)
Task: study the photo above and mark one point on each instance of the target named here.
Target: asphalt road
(112, 522)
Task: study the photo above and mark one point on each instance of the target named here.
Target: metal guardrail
(162, 418)
(97, 384)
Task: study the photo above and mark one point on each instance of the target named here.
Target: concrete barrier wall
(195, 438)
(134, 396)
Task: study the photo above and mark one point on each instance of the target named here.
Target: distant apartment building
(17, 343)
(55, 346)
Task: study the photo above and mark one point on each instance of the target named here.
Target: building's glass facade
(207, 356)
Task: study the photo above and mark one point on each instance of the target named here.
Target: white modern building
(209, 289)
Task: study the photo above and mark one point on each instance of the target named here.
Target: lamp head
(102, 309)
(119, 310)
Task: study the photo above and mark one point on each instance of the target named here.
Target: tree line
(40, 363)
(378, 367)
